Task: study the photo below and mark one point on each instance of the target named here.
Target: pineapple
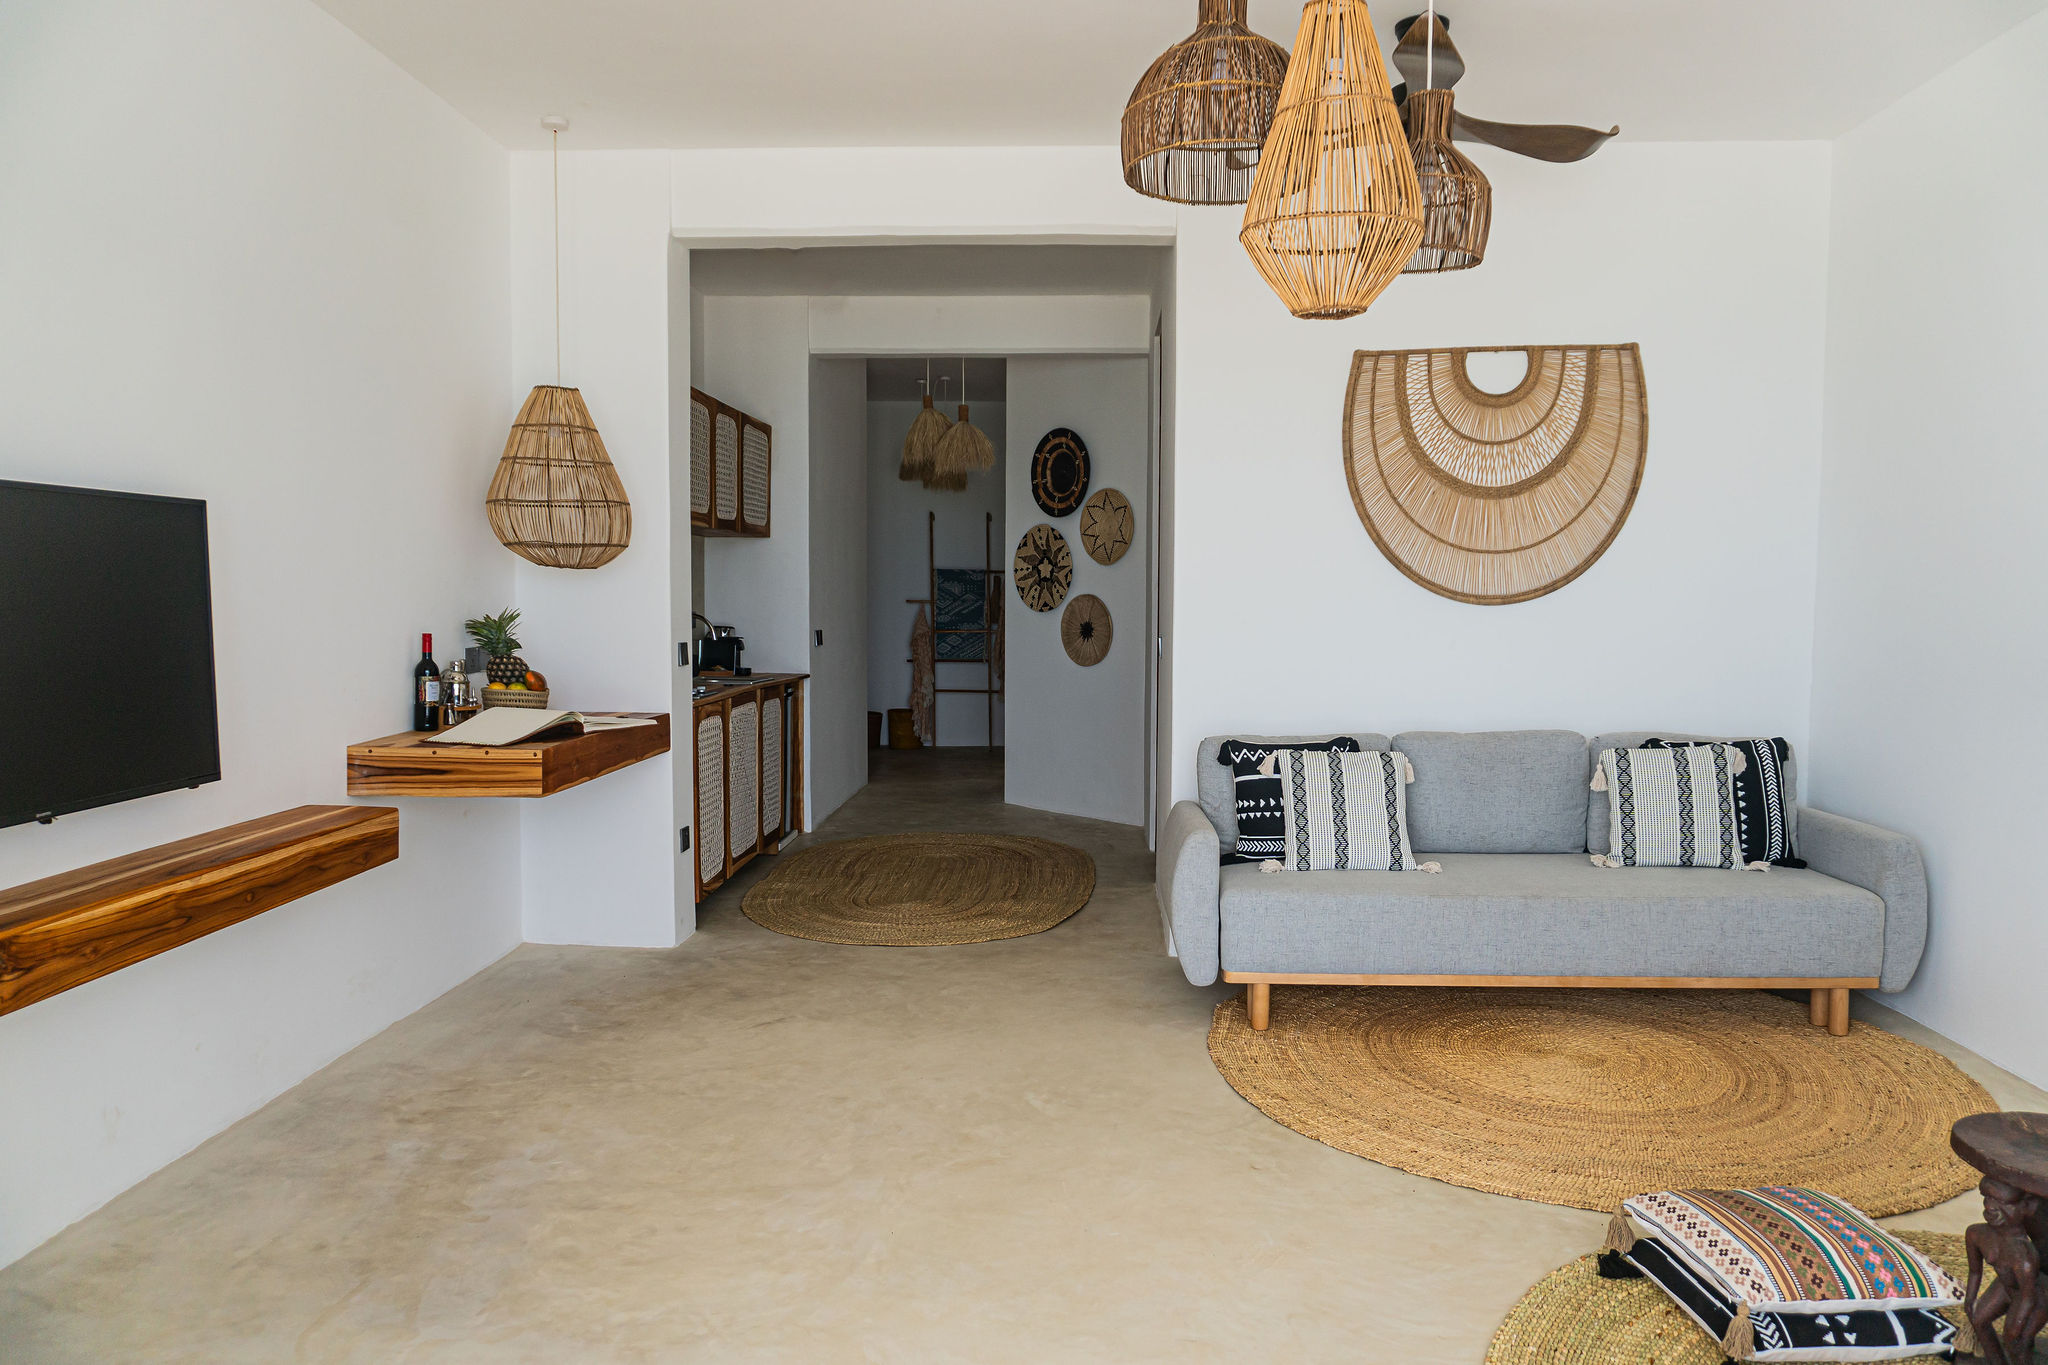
(495, 634)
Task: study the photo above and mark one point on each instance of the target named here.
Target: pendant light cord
(556, 134)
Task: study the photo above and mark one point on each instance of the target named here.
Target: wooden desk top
(414, 764)
(728, 686)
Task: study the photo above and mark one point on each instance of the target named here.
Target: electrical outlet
(683, 836)
(821, 638)
(682, 655)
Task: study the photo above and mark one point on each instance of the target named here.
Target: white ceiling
(813, 73)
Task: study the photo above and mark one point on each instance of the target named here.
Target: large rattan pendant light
(1457, 201)
(1195, 123)
(923, 438)
(1335, 212)
(556, 499)
(964, 449)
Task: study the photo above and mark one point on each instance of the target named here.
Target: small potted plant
(511, 682)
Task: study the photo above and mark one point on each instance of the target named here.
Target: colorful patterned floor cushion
(1671, 807)
(1261, 827)
(1788, 1274)
(1344, 811)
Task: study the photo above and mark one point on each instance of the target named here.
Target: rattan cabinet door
(743, 779)
(756, 458)
(710, 798)
(725, 469)
(771, 765)
(701, 406)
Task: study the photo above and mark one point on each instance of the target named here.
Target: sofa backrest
(1216, 785)
(1500, 791)
(1599, 816)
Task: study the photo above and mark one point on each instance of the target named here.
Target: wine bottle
(426, 688)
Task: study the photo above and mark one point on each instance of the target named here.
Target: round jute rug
(921, 890)
(1573, 1317)
(1585, 1097)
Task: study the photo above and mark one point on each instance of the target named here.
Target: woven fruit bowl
(505, 696)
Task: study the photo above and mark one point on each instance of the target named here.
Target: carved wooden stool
(2012, 1151)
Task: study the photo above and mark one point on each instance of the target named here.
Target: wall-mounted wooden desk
(64, 931)
(412, 764)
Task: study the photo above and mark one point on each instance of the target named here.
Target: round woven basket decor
(1585, 1097)
(923, 890)
(1573, 1317)
(1086, 630)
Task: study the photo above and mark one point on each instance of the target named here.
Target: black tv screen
(106, 649)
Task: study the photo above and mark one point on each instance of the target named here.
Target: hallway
(766, 1149)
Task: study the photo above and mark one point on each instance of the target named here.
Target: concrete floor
(756, 1148)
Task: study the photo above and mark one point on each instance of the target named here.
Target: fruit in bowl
(499, 637)
(535, 682)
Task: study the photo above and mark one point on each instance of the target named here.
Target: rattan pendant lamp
(1195, 123)
(964, 449)
(556, 499)
(1335, 212)
(923, 437)
(1457, 200)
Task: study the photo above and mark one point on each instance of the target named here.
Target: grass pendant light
(1195, 123)
(1457, 200)
(1335, 212)
(556, 500)
(925, 430)
(943, 479)
(965, 448)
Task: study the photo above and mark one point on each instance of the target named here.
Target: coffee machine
(719, 652)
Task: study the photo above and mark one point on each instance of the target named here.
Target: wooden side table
(2012, 1151)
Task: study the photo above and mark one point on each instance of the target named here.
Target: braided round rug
(1585, 1097)
(1573, 1317)
(923, 890)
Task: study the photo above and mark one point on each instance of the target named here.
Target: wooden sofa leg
(1817, 1011)
(1258, 1003)
(1838, 1011)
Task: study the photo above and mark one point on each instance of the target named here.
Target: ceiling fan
(1413, 59)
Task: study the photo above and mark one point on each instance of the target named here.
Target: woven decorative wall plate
(1059, 472)
(1495, 497)
(1085, 629)
(1106, 524)
(1043, 568)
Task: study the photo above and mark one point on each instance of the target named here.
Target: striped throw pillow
(1344, 811)
(1672, 807)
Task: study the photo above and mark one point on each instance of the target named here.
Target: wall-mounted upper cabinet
(731, 462)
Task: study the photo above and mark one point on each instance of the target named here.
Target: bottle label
(430, 690)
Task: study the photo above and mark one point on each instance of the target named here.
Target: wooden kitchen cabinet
(748, 735)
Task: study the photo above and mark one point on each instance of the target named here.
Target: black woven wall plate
(1059, 472)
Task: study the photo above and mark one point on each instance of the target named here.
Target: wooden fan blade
(1543, 141)
(1411, 54)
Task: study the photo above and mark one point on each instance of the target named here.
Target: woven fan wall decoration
(1495, 497)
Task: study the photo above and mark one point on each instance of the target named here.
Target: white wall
(1286, 617)
(1077, 735)
(1929, 650)
(600, 863)
(248, 260)
(898, 563)
(839, 583)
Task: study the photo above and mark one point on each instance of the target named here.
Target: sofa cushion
(1597, 810)
(1344, 811)
(1674, 806)
(1260, 800)
(1216, 785)
(1502, 791)
(1550, 914)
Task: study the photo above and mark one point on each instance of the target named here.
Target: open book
(497, 725)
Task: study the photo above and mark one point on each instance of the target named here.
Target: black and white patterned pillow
(1670, 807)
(1858, 1334)
(1763, 807)
(1345, 812)
(1261, 821)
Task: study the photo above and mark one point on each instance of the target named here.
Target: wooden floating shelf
(66, 930)
(412, 764)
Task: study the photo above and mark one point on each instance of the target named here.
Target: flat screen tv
(106, 649)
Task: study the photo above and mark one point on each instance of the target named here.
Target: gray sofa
(1511, 818)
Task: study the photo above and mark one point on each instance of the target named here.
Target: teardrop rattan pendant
(1195, 123)
(556, 500)
(1457, 201)
(1335, 212)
